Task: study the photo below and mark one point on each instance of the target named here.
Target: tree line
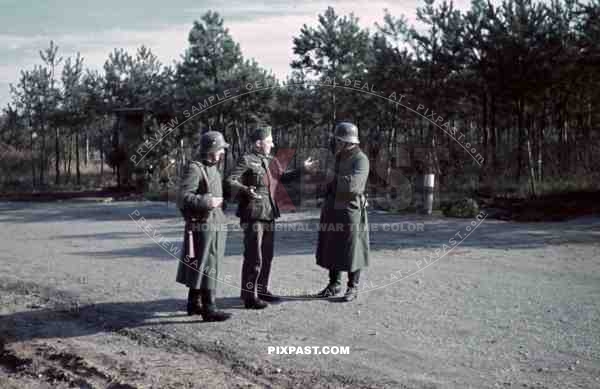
(519, 80)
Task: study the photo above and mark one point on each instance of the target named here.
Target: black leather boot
(334, 287)
(351, 294)
(209, 307)
(193, 303)
(352, 291)
(254, 303)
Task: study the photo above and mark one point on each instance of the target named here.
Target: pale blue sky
(263, 29)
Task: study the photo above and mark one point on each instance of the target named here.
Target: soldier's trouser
(335, 278)
(258, 255)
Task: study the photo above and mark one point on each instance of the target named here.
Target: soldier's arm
(187, 199)
(291, 175)
(308, 166)
(235, 182)
(328, 179)
(357, 180)
(288, 175)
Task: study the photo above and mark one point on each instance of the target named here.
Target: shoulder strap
(204, 177)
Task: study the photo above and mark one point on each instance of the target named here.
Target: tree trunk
(519, 139)
(57, 156)
(564, 140)
(70, 157)
(239, 143)
(531, 165)
(101, 165)
(567, 167)
(42, 159)
(333, 108)
(298, 144)
(540, 145)
(77, 157)
(64, 161)
(494, 136)
(484, 126)
(87, 149)
(32, 161)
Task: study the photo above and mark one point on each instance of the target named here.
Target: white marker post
(428, 186)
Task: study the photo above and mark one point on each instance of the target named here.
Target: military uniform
(205, 231)
(257, 218)
(343, 242)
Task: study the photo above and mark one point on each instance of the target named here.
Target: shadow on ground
(73, 320)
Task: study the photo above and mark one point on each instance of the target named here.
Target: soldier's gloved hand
(215, 202)
(252, 193)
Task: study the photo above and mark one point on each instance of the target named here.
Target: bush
(466, 207)
(15, 168)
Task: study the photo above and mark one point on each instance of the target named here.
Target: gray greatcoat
(199, 267)
(343, 243)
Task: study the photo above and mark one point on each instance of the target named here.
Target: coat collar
(349, 153)
(260, 155)
(205, 162)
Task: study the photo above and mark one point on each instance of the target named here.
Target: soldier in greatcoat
(200, 200)
(343, 243)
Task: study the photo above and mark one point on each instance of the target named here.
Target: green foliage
(518, 79)
(466, 208)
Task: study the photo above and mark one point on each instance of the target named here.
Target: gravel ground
(88, 299)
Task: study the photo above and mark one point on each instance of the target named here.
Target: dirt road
(88, 299)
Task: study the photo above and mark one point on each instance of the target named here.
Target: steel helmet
(212, 141)
(346, 132)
